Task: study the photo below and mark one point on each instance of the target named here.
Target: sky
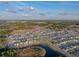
(39, 10)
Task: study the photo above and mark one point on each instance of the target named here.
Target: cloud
(10, 11)
(26, 15)
(5, 2)
(9, 16)
(26, 8)
(51, 15)
(66, 14)
(23, 7)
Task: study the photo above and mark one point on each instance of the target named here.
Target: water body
(51, 53)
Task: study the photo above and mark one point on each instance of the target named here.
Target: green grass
(4, 32)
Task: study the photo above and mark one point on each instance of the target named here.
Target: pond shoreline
(49, 52)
